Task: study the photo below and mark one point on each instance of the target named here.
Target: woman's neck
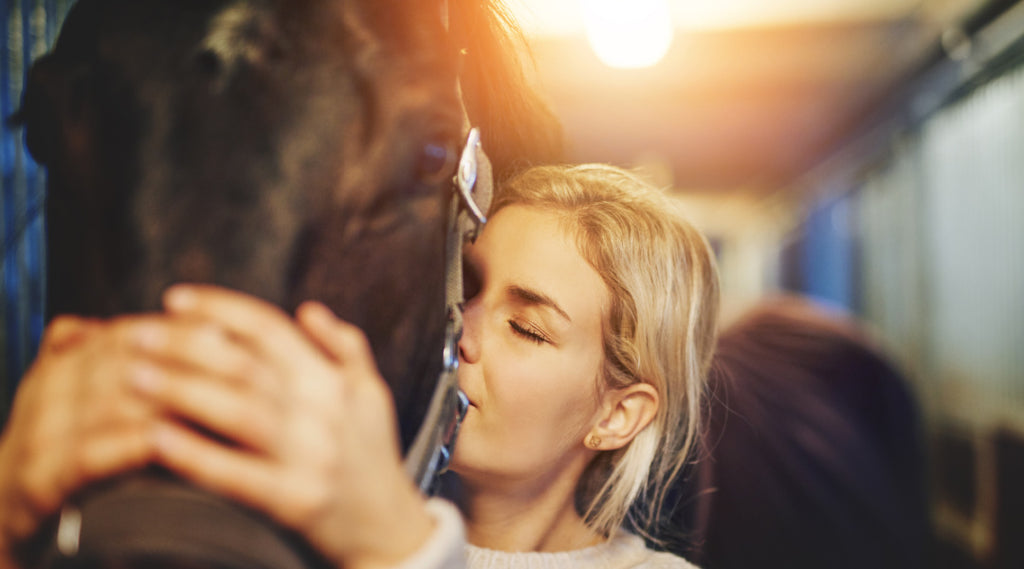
(538, 515)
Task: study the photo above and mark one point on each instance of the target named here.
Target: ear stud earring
(592, 441)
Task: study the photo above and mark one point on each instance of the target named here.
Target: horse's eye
(435, 162)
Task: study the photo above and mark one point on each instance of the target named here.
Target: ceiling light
(628, 33)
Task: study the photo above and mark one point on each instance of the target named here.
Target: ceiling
(751, 94)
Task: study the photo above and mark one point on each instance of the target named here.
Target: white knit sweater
(621, 552)
(447, 549)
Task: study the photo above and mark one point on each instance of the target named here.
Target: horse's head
(292, 149)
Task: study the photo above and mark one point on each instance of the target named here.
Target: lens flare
(628, 33)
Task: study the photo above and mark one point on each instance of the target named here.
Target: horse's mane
(519, 129)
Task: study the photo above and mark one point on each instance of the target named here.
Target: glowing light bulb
(628, 33)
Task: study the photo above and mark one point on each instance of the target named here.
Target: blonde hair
(660, 327)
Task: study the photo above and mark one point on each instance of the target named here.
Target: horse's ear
(57, 82)
(41, 111)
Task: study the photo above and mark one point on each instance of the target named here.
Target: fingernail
(180, 297)
(146, 378)
(316, 313)
(322, 313)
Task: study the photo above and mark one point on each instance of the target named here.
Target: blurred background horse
(813, 455)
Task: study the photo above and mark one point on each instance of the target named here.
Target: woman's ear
(625, 412)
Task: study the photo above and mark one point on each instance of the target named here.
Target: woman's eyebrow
(530, 296)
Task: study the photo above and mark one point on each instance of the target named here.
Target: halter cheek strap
(431, 450)
(473, 183)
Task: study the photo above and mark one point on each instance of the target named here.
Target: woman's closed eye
(528, 332)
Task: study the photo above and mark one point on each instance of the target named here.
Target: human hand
(74, 420)
(305, 426)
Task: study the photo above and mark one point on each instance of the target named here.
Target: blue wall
(828, 255)
(30, 27)
(819, 260)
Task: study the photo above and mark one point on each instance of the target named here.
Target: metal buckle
(465, 178)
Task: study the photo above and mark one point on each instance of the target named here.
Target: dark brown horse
(294, 150)
(813, 456)
(291, 149)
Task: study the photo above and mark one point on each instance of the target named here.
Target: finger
(101, 457)
(64, 330)
(47, 478)
(232, 473)
(72, 421)
(324, 328)
(255, 321)
(118, 335)
(241, 416)
(344, 342)
(198, 346)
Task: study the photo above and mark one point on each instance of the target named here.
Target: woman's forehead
(532, 247)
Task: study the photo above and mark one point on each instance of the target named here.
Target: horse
(290, 149)
(813, 453)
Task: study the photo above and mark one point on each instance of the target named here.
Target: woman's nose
(469, 345)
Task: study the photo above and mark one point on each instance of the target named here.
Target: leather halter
(473, 188)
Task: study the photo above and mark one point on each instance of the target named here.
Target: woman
(588, 329)
(583, 356)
